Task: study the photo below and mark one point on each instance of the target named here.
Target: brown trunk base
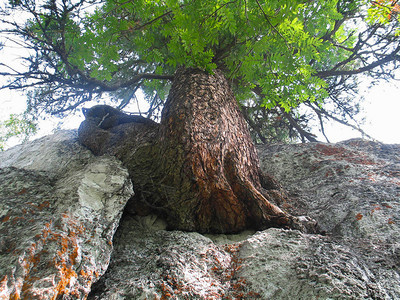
(199, 167)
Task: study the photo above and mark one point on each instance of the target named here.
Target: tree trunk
(199, 167)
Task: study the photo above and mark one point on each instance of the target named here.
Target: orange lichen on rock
(5, 218)
(341, 153)
(40, 206)
(375, 208)
(63, 263)
(66, 275)
(3, 287)
(15, 296)
(23, 191)
(359, 216)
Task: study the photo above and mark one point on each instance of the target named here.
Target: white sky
(382, 115)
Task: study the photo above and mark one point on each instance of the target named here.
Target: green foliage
(17, 126)
(276, 52)
(383, 11)
(265, 43)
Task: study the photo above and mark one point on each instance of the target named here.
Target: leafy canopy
(264, 43)
(16, 125)
(279, 53)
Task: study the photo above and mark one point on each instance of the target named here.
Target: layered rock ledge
(60, 208)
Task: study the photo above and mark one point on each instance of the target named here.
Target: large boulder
(59, 208)
(352, 189)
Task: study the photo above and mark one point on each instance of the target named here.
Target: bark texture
(199, 167)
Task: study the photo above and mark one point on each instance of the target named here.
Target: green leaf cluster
(257, 43)
(16, 126)
(274, 46)
(383, 11)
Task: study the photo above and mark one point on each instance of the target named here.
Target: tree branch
(301, 131)
(324, 112)
(387, 59)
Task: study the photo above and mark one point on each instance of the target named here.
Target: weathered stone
(151, 263)
(56, 230)
(331, 183)
(351, 188)
(273, 264)
(51, 154)
(277, 264)
(59, 209)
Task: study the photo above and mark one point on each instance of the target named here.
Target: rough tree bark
(198, 167)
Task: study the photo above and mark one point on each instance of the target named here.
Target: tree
(15, 126)
(199, 164)
(198, 167)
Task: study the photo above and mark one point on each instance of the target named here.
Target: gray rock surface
(59, 209)
(352, 189)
